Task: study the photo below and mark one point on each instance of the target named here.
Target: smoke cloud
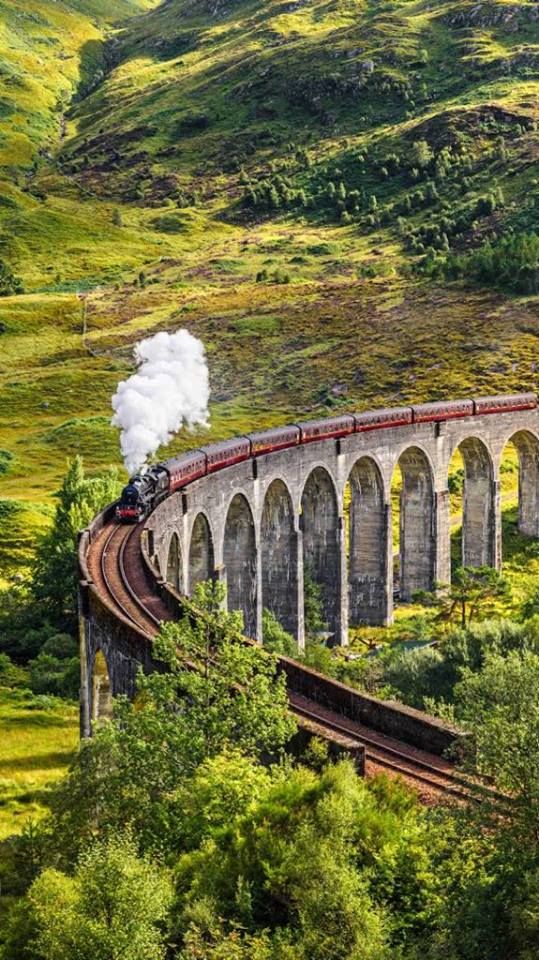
(170, 388)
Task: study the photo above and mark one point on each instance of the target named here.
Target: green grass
(38, 737)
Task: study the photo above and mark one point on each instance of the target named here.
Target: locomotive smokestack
(169, 390)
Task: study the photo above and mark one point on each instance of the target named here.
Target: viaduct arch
(369, 544)
(279, 549)
(240, 562)
(201, 555)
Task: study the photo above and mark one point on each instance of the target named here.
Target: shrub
(10, 674)
(6, 458)
(9, 283)
(276, 639)
(420, 154)
(512, 263)
(485, 205)
(50, 675)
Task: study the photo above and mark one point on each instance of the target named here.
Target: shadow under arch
(478, 519)
(527, 447)
(101, 689)
(201, 554)
(320, 525)
(279, 549)
(369, 591)
(174, 563)
(417, 548)
(239, 555)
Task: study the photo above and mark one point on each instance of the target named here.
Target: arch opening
(519, 476)
(279, 549)
(201, 556)
(174, 564)
(320, 525)
(239, 554)
(414, 535)
(101, 689)
(366, 523)
(472, 504)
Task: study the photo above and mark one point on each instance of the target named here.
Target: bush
(6, 458)
(10, 674)
(50, 675)
(9, 283)
(276, 639)
(512, 264)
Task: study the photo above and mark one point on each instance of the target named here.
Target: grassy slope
(186, 104)
(38, 738)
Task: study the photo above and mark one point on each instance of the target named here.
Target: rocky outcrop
(510, 16)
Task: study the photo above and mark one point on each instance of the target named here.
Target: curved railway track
(115, 568)
(431, 775)
(119, 575)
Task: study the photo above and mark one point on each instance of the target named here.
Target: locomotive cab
(142, 494)
(130, 509)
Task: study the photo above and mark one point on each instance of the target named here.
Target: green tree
(431, 673)
(9, 283)
(275, 637)
(222, 788)
(113, 908)
(59, 677)
(307, 862)
(511, 263)
(500, 706)
(219, 693)
(235, 694)
(472, 594)
(312, 605)
(490, 910)
(54, 575)
(420, 154)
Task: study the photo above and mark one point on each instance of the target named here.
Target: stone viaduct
(325, 508)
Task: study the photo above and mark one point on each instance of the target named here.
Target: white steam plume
(170, 388)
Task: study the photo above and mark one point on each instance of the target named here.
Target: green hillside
(296, 182)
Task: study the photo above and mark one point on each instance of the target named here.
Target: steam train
(145, 491)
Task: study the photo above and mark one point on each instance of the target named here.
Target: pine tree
(55, 581)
